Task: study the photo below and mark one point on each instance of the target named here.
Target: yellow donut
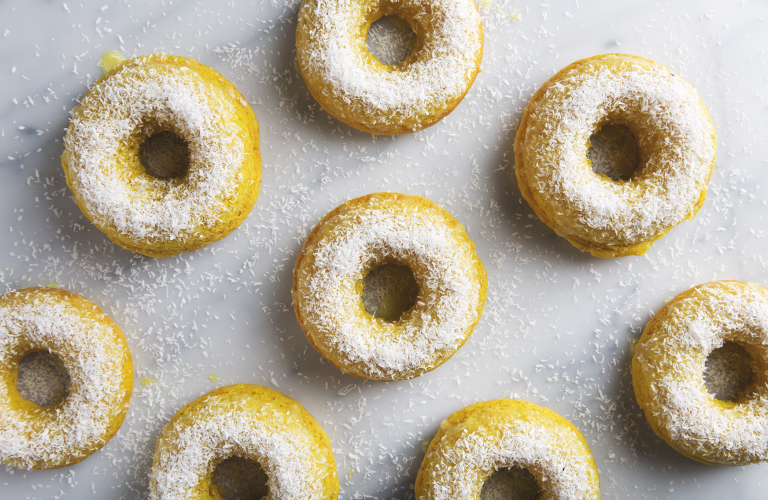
(485, 437)
(378, 229)
(96, 356)
(675, 139)
(248, 421)
(141, 98)
(358, 89)
(668, 373)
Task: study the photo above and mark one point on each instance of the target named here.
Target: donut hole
(389, 291)
(729, 372)
(165, 155)
(513, 483)
(613, 151)
(391, 39)
(239, 478)
(43, 379)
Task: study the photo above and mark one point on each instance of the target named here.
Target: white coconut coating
(476, 441)
(248, 421)
(373, 230)
(358, 89)
(675, 138)
(668, 373)
(96, 356)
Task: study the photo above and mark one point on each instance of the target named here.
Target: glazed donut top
(47, 322)
(139, 98)
(222, 426)
(437, 71)
(674, 356)
(674, 134)
(403, 232)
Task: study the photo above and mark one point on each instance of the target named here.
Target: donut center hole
(43, 379)
(729, 373)
(391, 39)
(165, 155)
(613, 152)
(513, 483)
(389, 291)
(239, 478)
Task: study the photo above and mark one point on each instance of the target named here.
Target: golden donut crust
(633, 214)
(668, 373)
(229, 134)
(386, 355)
(253, 418)
(359, 90)
(482, 438)
(88, 342)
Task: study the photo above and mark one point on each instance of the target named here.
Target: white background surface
(558, 323)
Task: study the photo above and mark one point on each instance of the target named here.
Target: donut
(489, 436)
(94, 352)
(248, 421)
(171, 212)
(675, 141)
(359, 90)
(371, 231)
(668, 373)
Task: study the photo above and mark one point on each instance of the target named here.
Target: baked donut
(96, 355)
(371, 231)
(248, 421)
(485, 437)
(361, 91)
(163, 215)
(676, 145)
(668, 367)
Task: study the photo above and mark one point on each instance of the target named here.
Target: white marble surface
(558, 323)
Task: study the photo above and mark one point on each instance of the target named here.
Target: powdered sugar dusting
(672, 128)
(671, 357)
(441, 73)
(79, 425)
(143, 98)
(366, 235)
(221, 427)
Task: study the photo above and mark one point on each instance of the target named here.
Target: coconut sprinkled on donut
(87, 348)
(137, 101)
(368, 234)
(671, 126)
(221, 428)
(488, 436)
(671, 358)
(440, 73)
(564, 474)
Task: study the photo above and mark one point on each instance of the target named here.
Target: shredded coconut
(672, 361)
(443, 264)
(219, 428)
(441, 73)
(673, 130)
(564, 469)
(78, 426)
(137, 101)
